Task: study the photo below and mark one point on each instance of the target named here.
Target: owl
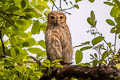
(58, 38)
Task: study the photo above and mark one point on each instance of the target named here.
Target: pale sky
(78, 23)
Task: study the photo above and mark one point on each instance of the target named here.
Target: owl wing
(53, 45)
(66, 43)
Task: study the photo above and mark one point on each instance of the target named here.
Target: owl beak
(56, 22)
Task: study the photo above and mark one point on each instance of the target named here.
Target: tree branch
(9, 21)
(91, 73)
(11, 14)
(3, 47)
(37, 61)
(115, 43)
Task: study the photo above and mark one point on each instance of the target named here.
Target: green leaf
(92, 15)
(78, 56)
(70, 2)
(34, 50)
(12, 51)
(76, 6)
(36, 27)
(95, 55)
(119, 36)
(42, 44)
(117, 2)
(110, 22)
(104, 55)
(25, 44)
(95, 62)
(86, 48)
(77, 1)
(113, 30)
(23, 3)
(31, 41)
(59, 66)
(41, 54)
(91, 22)
(86, 43)
(97, 40)
(56, 61)
(91, 1)
(115, 12)
(109, 44)
(117, 20)
(109, 3)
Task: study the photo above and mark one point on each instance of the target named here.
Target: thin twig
(8, 21)
(37, 61)
(58, 8)
(11, 14)
(3, 46)
(60, 5)
(115, 43)
(69, 8)
(104, 39)
(55, 5)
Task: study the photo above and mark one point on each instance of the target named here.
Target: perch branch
(92, 73)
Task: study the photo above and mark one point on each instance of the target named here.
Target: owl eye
(52, 17)
(61, 17)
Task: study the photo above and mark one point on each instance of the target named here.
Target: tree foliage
(20, 19)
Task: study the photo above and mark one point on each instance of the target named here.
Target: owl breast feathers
(58, 38)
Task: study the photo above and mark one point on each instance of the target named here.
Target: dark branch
(69, 8)
(60, 9)
(91, 73)
(9, 21)
(115, 43)
(60, 5)
(37, 61)
(3, 47)
(11, 14)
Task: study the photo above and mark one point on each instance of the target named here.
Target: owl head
(56, 18)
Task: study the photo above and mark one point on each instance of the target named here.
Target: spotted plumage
(58, 38)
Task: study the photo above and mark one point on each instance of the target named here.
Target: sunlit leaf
(25, 44)
(76, 6)
(91, 22)
(23, 3)
(117, 66)
(109, 3)
(77, 1)
(42, 43)
(97, 40)
(56, 61)
(91, 1)
(92, 15)
(31, 41)
(113, 30)
(78, 56)
(12, 51)
(34, 50)
(86, 48)
(36, 27)
(119, 36)
(110, 22)
(95, 62)
(104, 55)
(59, 66)
(115, 12)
